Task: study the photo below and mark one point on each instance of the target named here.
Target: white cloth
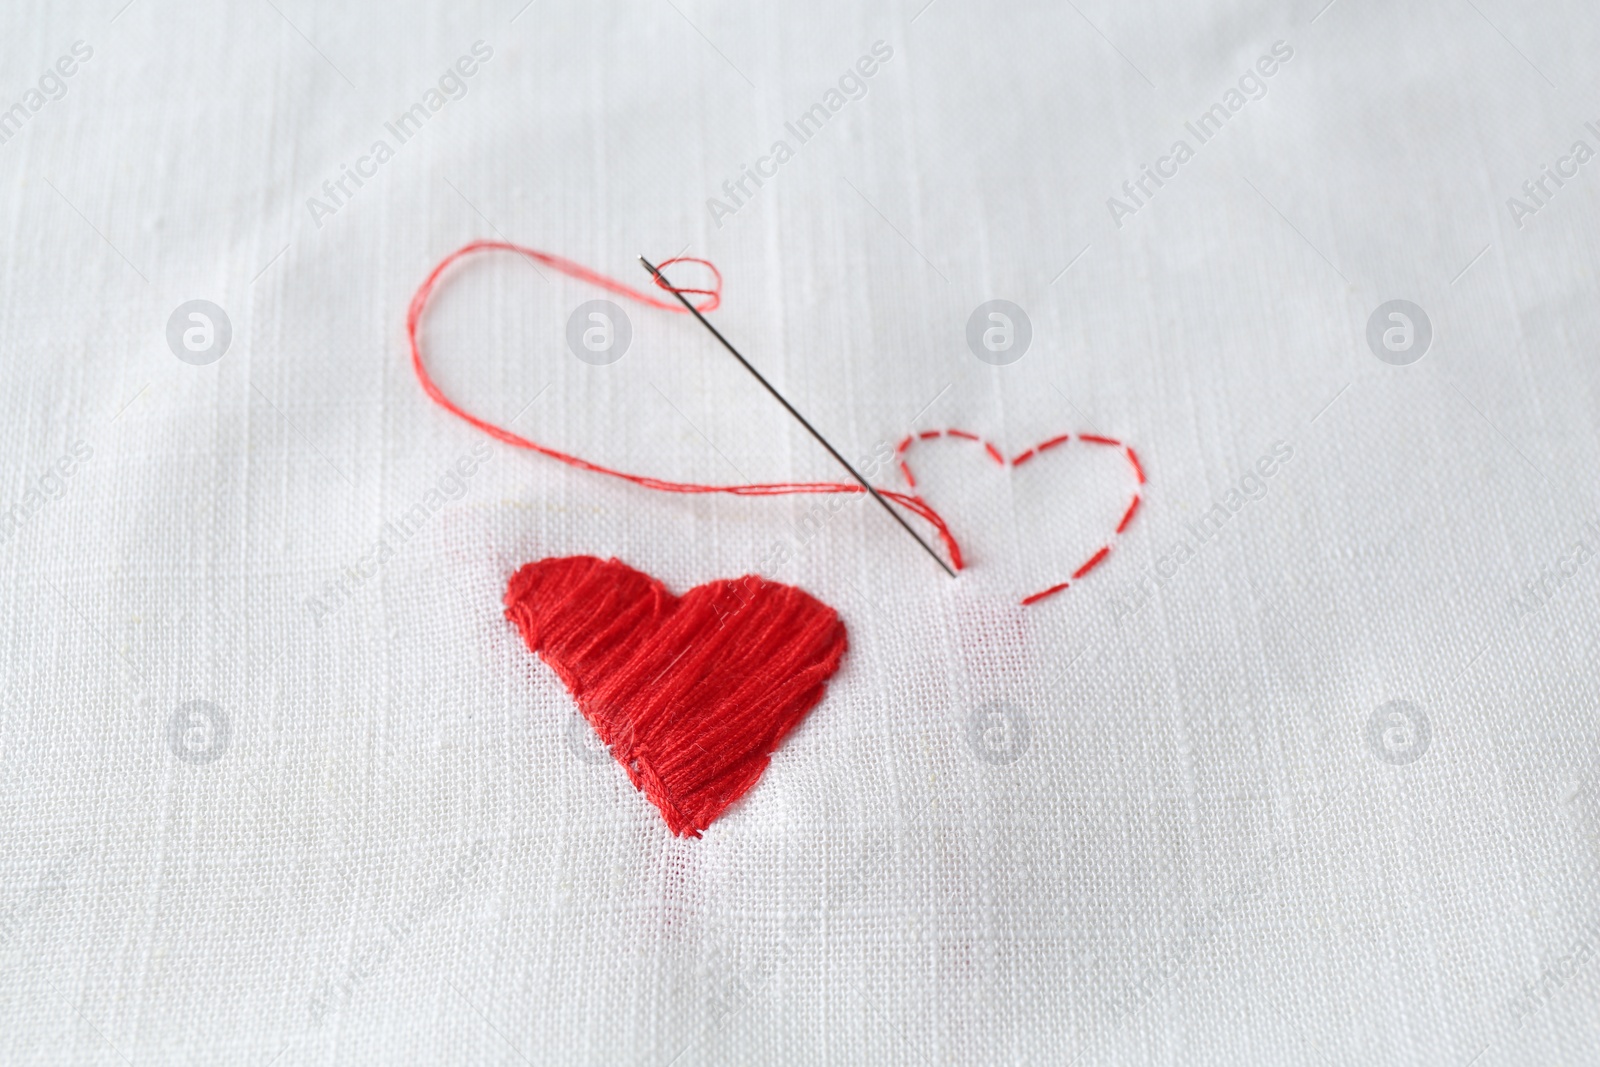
(1143, 822)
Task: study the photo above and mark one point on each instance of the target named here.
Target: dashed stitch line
(1099, 555)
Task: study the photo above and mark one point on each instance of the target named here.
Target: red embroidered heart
(1099, 555)
(691, 694)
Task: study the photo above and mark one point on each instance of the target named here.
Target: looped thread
(715, 292)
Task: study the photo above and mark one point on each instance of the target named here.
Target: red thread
(692, 694)
(1054, 441)
(911, 502)
(1052, 591)
(419, 302)
(1137, 467)
(1094, 561)
(1127, 516)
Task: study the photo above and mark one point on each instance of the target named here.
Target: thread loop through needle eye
(812, 430)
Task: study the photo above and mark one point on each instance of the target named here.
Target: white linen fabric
(1306, 772)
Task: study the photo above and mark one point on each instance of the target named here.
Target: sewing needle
(801, 418)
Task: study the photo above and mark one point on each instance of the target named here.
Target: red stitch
(903, 445)
(912, 482)
(1054, 441)
(1036, 597)
(964, 435)
(1029, 454)
(690, 695)
(1096, 439)
(1127, 516)
(928, 435)
(1094, 561)
(1138, 468)
(994, 453)
(955, 555)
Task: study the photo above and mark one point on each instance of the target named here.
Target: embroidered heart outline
(994, 453)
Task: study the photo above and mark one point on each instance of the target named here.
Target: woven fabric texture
(1304, 772)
